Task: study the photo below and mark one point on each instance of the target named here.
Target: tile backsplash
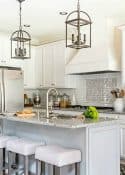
(91, 89)
(98, 90)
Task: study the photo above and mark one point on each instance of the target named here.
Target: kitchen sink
(61, 116)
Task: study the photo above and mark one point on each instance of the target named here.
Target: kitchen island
(97, 140)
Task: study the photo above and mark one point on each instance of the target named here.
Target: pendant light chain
(78, 5)
(20, 16)
(78, 28)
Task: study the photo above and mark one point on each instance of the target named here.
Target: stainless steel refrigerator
(11, 89)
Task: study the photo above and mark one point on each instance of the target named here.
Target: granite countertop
(81, 110)
(62, 123)
(106, 111)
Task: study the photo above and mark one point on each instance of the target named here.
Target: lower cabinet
(103, 151)
(122, 131)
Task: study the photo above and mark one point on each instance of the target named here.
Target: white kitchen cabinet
(50, 65)
(103, 151)
(3, 59)
(29, 70)
(59, 64)
(122, 130)
(5, 53)
(5, 50)
(39, 67)
(122, 143)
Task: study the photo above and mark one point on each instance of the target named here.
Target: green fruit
(91, 112)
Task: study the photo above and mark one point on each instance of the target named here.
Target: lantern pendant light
(20, 40)
(78, 29)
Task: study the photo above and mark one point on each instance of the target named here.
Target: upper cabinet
(59, 64)
(50, 65)
(5, 53)
(105, 54)
(39, 67)
(29, 70)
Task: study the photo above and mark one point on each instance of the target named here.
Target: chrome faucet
(47, 100)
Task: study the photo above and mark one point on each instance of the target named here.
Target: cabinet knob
(53, 84)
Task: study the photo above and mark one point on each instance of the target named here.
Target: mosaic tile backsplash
(92, 89)
(99, 89)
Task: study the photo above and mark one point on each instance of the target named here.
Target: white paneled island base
(99, 143)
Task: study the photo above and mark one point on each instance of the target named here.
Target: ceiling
(43, 15)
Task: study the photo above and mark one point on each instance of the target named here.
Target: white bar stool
(3, 142)
(57, 156)
(23, 147)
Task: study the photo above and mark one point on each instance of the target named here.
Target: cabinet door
(48, 68)
(122, 139)
(104, 151)
(59, 64)
(4, 50)
(39, 67)
(5, 53)
(29, 70)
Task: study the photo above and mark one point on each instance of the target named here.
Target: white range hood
(122, 28)
(104, 56)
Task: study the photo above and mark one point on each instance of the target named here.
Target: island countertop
(62, 123)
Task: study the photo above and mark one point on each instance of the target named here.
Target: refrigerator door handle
(2, 94)
(2, 98)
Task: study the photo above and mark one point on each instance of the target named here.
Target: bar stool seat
(22, 146)
(57, 155)
(5, 139)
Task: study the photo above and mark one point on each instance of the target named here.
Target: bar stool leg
(58, 170)
(1, 160)
(38, 167)
(17, 162)
(42, 168)
(9, 163)
(26, 165)
(54, 170)
(4, 160)
(77, 168)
